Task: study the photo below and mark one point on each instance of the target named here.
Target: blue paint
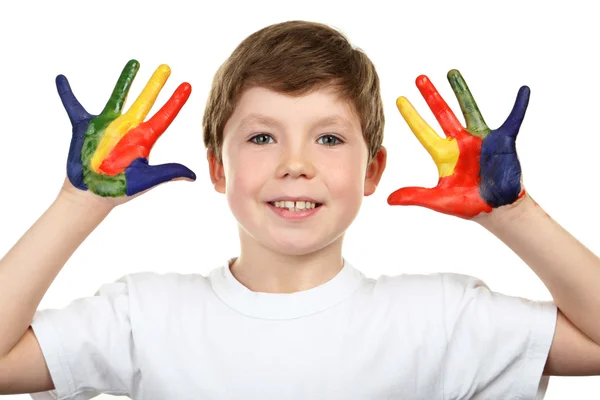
(80, 120)
(141, 176)
(500, 170)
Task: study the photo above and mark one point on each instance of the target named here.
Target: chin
(295, 249)
(298, 247)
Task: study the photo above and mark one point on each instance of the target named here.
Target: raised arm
(480, 180)
(107, 166)
(26, 273)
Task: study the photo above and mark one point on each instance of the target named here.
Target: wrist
(83, 203)
(523, 208)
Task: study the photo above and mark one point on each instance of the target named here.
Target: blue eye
(262, 139)
(331, 140)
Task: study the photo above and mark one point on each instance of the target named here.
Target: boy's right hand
(109, 152)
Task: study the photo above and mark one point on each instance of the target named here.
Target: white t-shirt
(186, 336)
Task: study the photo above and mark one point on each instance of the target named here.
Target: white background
(551, 47)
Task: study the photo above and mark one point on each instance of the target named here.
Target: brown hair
(296, 58)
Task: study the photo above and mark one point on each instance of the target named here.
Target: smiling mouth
(295, 205)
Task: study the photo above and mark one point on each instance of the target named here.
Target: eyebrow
(270, 121)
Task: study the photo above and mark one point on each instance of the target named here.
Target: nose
(295, 164)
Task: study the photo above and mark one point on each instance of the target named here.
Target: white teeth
(295, 206)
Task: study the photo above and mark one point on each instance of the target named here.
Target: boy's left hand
(478, 167)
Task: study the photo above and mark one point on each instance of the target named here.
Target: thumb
(411, 196)
(459, 202)
(140, 176)
(74, 109)
(517, 114)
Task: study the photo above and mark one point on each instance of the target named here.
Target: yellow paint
(132, 118)
(444, 151)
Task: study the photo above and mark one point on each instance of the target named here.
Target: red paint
(138, 142)
(457, 194)
(460, 202)
(450, 124)
(294, 215)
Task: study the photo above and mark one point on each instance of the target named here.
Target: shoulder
(155, 287)
(440, 284)
(151, 298)
(421, 294)
(165, 281)
(441, 295)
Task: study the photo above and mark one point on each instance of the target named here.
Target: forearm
(570, 271)
(29, 268)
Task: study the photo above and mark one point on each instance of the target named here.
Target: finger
(119, 94)
(163, 118)
(424, 133)
(513, 123)
(443, 151)
(460, 202)
(415, 196)
(138, 142)
(475, 123)
(142, 105)
(438, 106)
(141, 176)
(74, 109)
(77, 114)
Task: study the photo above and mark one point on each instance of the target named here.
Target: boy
(293, 128)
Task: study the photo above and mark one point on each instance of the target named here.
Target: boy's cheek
(254, 160)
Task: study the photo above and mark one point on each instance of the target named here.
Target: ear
(217, 173)
(374, 171)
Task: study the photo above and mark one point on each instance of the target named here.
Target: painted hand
(478, 167)
(109, 152)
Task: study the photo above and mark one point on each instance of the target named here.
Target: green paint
(475, 123)
(104, 185)
(119, 94)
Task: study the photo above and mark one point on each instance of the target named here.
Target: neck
(262, 269)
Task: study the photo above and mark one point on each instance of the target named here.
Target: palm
(109, 152)
(478, 168)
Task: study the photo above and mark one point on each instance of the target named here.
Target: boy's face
(277, 146)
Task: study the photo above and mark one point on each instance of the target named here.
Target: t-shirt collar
(284, 305)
